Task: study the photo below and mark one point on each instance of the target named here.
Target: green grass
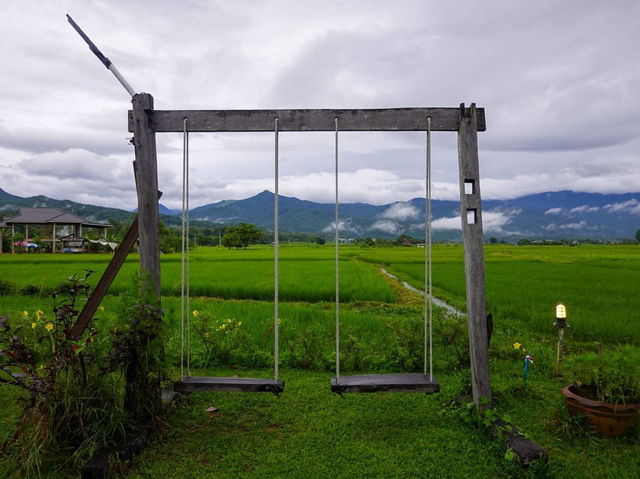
(598, 284)
(306, 274)
(309, 432)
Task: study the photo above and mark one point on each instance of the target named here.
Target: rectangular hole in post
(472, 216)
(469, 187)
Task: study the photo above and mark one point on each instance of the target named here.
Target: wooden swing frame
(144, 122)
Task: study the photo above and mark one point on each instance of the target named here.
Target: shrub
(73, 401)
(30, 290)
(6, 287)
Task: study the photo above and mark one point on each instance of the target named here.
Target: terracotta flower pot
(607, 418)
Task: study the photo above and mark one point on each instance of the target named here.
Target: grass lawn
(310, 432)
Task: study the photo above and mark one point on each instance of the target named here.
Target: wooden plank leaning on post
(107, 278)
(146, 169)
(471, 217)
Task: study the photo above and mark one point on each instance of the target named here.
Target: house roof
(35, 216)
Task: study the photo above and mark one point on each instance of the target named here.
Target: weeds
(70, 406)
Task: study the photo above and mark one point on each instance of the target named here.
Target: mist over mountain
(551, 215)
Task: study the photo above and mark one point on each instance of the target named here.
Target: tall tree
(241, 235)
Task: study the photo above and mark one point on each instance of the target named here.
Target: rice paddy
(232, 322)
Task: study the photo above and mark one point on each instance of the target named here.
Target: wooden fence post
(146, 170)
(471, 216)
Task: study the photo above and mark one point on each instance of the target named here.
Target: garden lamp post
(561, 323)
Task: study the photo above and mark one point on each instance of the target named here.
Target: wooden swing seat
(372, 383)
(251, 385)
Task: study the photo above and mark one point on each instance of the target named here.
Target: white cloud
(400, 211)
(385, 225)
(574, 226)
(582, 225)
(496, 219)
(585, 209)
(492, 221)
(553, 211)
(630, 205)
(345, 226)
(447, 223)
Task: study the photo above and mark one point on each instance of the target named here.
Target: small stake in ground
(561, 323)
(528, 359)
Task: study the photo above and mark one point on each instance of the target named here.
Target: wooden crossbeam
(384, 119)
(107, 278)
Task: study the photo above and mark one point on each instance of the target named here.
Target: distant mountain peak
(546, 215)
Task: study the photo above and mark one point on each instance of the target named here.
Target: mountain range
(550, 215)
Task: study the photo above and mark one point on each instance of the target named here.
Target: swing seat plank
(371, 383)
(204, 383)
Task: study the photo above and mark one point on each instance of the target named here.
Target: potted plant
(606, 392)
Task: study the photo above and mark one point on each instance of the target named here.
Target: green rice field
(307, 431)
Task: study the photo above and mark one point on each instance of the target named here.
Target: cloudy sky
(560, 82)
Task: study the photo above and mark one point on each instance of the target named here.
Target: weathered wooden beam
(105, 281)
(471, 217)
(383, 119)
(526, 451)
(146, 168)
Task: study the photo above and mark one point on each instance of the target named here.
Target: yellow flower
(25, 314)
(196, 312)
(279, 321)
(33, 325)
(223, 327)
(101, 308)
(239, 323)
(39, 313)
(516, 345)
(49, 326)
(229, 320)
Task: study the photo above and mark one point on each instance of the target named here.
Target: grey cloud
(560, 100)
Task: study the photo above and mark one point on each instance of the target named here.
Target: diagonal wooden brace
(107, 278)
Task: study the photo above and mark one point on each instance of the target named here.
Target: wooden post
(471, 216)
(146, 171)
(560, 343)
(53, 239)
(13, 238)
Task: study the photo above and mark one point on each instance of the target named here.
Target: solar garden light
(561, 323)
